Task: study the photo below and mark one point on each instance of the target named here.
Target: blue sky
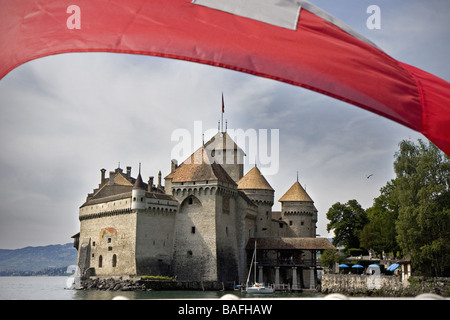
(64, 117)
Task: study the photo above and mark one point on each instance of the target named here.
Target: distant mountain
(38, 258)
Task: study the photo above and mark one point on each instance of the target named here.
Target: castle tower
(223, 150)
(299, 212)
(205, 245)
(256, 187)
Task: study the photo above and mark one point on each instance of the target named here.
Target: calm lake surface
(53, 288)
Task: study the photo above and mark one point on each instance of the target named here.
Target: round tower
(256, 187)
(299, 212)
(138, 194)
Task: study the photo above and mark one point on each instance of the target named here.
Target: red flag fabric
(290, 41)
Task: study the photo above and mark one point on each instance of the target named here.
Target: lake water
(53, 288)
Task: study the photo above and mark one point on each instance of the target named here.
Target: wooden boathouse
(288, 263)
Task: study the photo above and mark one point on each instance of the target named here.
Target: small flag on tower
(223, 104)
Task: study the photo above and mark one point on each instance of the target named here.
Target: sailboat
(256, 287)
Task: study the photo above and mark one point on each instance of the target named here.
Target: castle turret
(299, 212)
(138, 193)
(256, 187)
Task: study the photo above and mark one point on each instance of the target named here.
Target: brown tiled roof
(109, 190)
(254, 180)
(126, 195)
(120, 179)
(296, 193)
(111, 197)
(290, 243)
(200, 167)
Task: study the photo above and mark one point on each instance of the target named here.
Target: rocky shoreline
(112, 284)
(137, 284)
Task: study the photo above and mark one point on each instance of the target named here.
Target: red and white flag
(287, 40)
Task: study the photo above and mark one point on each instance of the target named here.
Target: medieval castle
(201, 225)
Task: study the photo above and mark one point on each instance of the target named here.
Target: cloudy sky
(65, 117)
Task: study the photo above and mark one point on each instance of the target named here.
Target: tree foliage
(380, 233)
(423, 195)
(347, 220)
(329, 257)
(411, 215)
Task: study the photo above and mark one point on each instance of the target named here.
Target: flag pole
(223, 110)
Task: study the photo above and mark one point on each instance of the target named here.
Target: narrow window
(109, 240)
(190, 201)
(193, 230)
(114, 261)
(100, 261)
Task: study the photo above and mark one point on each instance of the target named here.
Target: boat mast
(251, 264)
(254, 275)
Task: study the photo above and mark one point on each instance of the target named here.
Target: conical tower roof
(254, 180)
(139, 184)
(296, 193)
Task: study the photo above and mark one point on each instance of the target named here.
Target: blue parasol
(393, 267)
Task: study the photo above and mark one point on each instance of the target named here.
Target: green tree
(329, 257)
(347, 220)
(423, 194)
(380, 233)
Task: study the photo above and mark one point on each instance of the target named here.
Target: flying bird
(369, 175)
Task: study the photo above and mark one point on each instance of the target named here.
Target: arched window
(100, 261)
(114, 261)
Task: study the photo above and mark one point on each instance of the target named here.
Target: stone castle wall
(195, 239)
(351, 284)
(112, 241)
(154, 242)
